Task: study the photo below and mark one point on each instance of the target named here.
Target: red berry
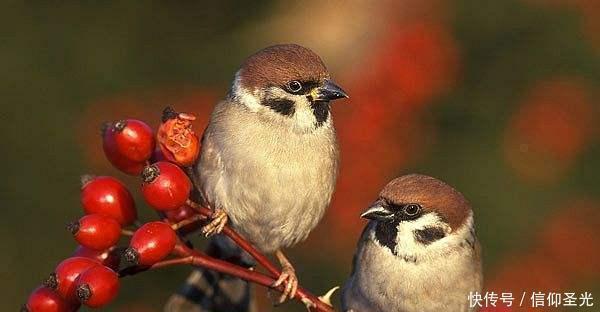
(110, 257)
(44, 299)
(96, 231)
(66, 273)
(165, 186)
(109, 197)
(180, 214)
(151, 243)
(97, 286)
(128, 144)
(125, 165)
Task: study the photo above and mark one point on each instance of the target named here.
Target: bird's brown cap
(432, 194)
(279, 64)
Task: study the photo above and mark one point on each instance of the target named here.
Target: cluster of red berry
(90, 277)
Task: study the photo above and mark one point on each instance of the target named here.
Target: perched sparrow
(269, 154)
(419, 252)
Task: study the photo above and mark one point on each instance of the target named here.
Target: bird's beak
(328, 91)
(378, 213)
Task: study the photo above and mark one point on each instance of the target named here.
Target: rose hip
(44, 299)
(128, 144)
(125, 165)
(165, 186)
(96, 231)
(97, 286)
(176, 139)
(109, 197)
(65, 275)
(151, 243)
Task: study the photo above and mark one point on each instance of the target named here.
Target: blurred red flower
(570, 238)
(409, 66)
(549, 130)
(563, 256)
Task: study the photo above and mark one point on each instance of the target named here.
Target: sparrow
(269, 157)
(419, 251)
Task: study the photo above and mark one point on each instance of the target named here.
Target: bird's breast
(273, 184)
(386, 280)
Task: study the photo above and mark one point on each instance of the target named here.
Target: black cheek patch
(283, 106)
(429, 235)
(386, 233)
(321, 111)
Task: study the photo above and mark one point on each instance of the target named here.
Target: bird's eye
(412, 210)
(294, 86)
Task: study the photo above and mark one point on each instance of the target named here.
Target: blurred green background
(500, 99)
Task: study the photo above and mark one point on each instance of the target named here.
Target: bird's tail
(206, 290)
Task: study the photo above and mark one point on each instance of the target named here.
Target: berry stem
(125, 232)
(190, 220)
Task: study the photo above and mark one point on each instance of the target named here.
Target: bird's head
(417, 215)
(288, 84)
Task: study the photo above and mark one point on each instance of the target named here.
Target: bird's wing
(194, 174)
(361, 241)
(210, 166)
(348, 291)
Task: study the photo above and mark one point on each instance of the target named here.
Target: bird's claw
(287, 276)
(216, 225)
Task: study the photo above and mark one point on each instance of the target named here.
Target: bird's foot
(216, 225)
(289, 278)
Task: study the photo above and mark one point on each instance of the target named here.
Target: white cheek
(406, 238)
(408, 246)
(303, 117)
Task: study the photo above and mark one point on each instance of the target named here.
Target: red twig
(197, 258)
(193, 257)
(165, 263)
(302, 294)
